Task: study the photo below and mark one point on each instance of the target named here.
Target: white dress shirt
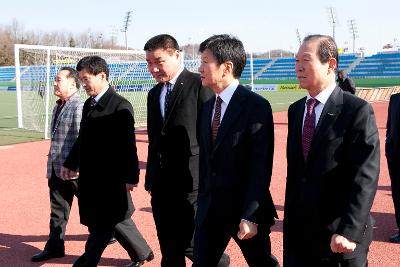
(97, 97)
(226, 96)
(164, 91)
(322, 98)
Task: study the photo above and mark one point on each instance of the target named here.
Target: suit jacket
(65, 131)
(106, 154)
(392, 148)
(235, 173)
(172, 162)
(333, 191)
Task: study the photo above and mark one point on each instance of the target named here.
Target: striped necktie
(216, 120)
(167, 99)
(92, 102)
(309, 126)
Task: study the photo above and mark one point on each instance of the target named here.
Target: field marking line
(6, 147)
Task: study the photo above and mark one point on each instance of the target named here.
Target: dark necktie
(167, 99)
(60, 105)
(93, 102)
(309, 126)
(216, 119)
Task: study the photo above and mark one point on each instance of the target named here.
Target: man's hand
(247, 230)
(67, 174)
(340, 244)
(129, 187)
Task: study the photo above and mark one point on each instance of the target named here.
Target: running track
(24, 207)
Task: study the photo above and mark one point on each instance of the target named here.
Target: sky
(262, 25)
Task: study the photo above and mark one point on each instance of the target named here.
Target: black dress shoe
(150, 257)
(112, 241)
(395, 238)
(46, 255)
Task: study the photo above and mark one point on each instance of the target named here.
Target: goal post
(36, 67)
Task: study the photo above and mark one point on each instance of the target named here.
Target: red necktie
(309, 126)
(217, 119)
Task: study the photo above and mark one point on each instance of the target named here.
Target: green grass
(9, 133)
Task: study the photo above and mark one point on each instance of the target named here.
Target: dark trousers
(174, 215)
(307, 256)
(61, 196)
(97, 241)
(212, 238)
(126, 234)
(395, 184)
(334, 261)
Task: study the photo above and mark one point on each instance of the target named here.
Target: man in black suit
(345, 82)
(105, 153)
(333, 166)
(236, 153)
(172, 164)
(392, 149)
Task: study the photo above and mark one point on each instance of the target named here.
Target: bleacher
(381, 65)
(346, 60)
(282, 68)
(258, 65)
(7, 74)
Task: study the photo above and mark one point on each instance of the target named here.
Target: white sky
(261, 24)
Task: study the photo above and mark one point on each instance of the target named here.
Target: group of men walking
(210, 159)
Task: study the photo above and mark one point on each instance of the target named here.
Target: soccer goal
(36, 67)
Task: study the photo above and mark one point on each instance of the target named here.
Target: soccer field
(9, 133)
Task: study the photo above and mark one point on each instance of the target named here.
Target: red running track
(24, 206)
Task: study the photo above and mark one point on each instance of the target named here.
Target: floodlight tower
(125, 25)
(298, 36)
(332, 19)
(354, 32)
(114, 33)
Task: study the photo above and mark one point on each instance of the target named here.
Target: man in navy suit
(236, 153)
(333, 166)
(392, 149)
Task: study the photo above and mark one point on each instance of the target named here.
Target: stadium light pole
(354, 32)
(114, 33)
(332, 19)
(125, 25)
(298, 36)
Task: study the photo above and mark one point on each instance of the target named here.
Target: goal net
(36, 67)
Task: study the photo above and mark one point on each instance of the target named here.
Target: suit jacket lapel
(232, 112)
(329, 114)
(156, 108)
(67, 106)
(298, 126)
(102, 103)
(176, 92)
(206, 123)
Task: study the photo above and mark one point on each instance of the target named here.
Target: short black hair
(161, 41)
(93, 65)
(327, 47)
(225, 48)
(72, 74)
